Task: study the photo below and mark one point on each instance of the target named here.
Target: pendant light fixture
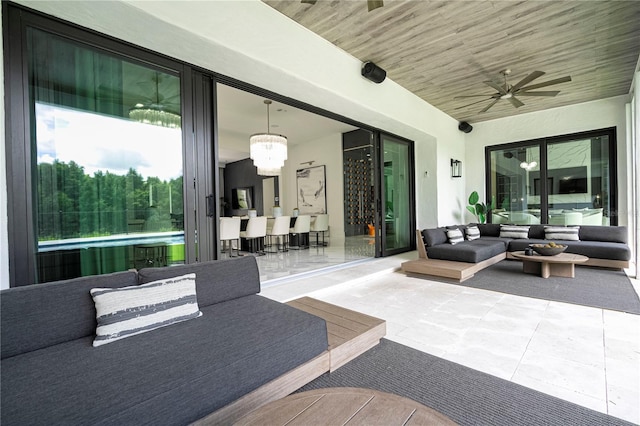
(268, 150)
(528, 165)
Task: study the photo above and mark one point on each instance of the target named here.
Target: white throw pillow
(473, 233)
(127, 311)
(454, 236)
(514, 231)
(569, 233)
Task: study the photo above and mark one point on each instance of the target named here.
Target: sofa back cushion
(609, 234)
(434, 236)
(489, 229)
(216, 281)
(537, 232)
(41, 315)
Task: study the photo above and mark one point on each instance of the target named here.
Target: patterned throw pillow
(514, 231)
(127, 311)
(454, 236)
(569, 233)
(473, 233)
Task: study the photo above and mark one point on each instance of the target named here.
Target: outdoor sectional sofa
(605, 246)
(244, 350)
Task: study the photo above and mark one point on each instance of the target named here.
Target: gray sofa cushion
(173, 375)
(489, 229)
(505, 241)
(467, 251)
(594, 249)
(520, 244)
(610, 234)
(536, 232)
(434, 236)
(216, 281)
(599, 250)
(41, 315)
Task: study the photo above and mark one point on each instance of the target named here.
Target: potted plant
(479, 210)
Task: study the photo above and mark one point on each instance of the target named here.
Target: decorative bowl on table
(547, 250)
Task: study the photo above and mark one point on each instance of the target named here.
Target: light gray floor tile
(585, 355)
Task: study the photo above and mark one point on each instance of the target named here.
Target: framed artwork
(312, 194)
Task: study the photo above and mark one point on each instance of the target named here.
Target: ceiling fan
(371, 4)
(509, 92)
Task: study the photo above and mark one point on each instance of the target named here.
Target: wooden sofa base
(459, 271)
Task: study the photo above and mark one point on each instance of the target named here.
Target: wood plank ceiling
(443, 49)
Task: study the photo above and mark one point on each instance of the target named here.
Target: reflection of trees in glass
(71, 204)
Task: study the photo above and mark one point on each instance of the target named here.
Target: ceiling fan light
(524, 165)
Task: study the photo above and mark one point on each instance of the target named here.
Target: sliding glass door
(397, 217)
(102, 176)
(107, 179)
(564, 180)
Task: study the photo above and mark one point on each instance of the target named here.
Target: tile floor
(585, 355)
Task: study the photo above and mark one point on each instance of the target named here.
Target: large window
(565, 180)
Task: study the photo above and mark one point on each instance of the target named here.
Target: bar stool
(300, 228)
(229, 232)
(255, 233)
(280, 229)
(320, 225)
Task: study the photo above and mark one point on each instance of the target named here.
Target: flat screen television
(569, 180)
(572, 185)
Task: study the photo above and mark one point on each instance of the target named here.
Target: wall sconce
(456, 168)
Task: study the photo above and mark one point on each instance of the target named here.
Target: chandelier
(154, 112)
(268, 150)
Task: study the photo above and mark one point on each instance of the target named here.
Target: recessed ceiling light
(139, 105)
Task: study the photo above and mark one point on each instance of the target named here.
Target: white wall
(558, 121)
(326, 151)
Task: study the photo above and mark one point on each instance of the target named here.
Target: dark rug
(467, 396)
(595, 287)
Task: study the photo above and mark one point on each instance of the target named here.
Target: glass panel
(107, 157)
(397, 195)
(578, 182)
(515, 185)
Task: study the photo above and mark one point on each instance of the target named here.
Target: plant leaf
(482, 218)
(480, 209)
(472, 209)
(474, 197)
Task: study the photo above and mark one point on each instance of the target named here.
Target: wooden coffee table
(337, 406)
(560, 265)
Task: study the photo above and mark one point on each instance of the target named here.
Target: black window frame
(542, 143)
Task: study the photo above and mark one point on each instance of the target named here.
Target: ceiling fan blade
(473, 103)
(496, 86)
(308, 1)
(516, 103)
(547, 83)
(527, 79)
(472, 96)
(547, 93)
(374, 4)
(485, 109)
